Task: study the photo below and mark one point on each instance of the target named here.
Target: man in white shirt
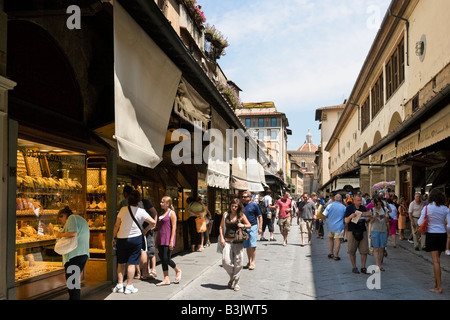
(414, 211)
(269, 217)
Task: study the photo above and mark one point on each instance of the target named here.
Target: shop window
(48, 179)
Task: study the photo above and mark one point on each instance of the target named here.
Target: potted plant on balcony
(196, 12)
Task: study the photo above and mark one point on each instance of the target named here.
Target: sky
(300, 54)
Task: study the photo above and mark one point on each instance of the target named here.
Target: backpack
(262, 206)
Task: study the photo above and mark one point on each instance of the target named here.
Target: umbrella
(383, 184)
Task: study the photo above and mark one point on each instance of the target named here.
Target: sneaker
(130, 289)
(118, 289)
(447, 252)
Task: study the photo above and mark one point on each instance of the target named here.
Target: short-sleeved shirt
(307, 210)
(284, 204)
(76, 223)
(335, 213)
(379, 222)
(252, 213)
(362, 221)
(416, 209)
(268, 202)
(129, 229)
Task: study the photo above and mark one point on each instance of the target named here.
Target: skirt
(435, 242)
(401, 222)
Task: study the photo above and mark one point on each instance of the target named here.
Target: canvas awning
(408, 145)
(218, 174)
(435, 129)
(146, 83)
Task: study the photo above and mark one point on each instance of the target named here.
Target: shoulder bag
(241, 235)
(144, 239)
(200, 223)
(66, 245)
(424, 226)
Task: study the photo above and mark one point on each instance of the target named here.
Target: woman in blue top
(436, 238)
(74, 225)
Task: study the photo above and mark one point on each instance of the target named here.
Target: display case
(48, 179)
(96, 205)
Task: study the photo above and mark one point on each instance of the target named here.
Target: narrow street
(297, 273)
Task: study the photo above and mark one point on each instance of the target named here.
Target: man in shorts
(357, 234)
(254, 216)
(334, 215)
(284, 210)
(307, 212)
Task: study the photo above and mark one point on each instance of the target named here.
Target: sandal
(153, 274)
(178, 278)
(331, 256)
(337, 258)
(161, 284)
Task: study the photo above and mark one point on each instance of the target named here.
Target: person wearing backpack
(266, 208)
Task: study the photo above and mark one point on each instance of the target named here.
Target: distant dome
(308, 146)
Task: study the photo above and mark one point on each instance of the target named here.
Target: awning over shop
(340, 183)
(253, 176)
(190, 106)
(384, 155)
(408, 145)
(435, 129)
(238, 183)
(146, 83)
(218, 174)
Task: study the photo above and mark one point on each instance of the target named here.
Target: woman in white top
(129, 240)
(436, 238)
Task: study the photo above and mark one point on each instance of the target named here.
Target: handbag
(66, 245)
(424, 226)
(200, 223)
(241, 235)
(144, 239)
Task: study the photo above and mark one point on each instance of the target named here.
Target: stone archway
(396, 120)
(377, 137)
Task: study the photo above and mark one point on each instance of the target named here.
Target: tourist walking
(130, 234)
(379, 231)
(402, 215)
(414, 211)
(393, 221)
(334, 216)
(74, 226)
(284, 210)
(195, 209)
(307, 213)
(254, 216)
(233, 251)
(166, 239)
(269, 217)
(357, 234)
(319, 219)
(436, 213)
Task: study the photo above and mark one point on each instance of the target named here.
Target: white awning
(253, 175)
(218, 175)
(146, 82)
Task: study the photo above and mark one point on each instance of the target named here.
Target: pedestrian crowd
(364, 223)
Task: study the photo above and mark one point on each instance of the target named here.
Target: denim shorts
(378, 239)
(253, 235)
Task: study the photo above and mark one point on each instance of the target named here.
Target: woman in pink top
(167, 229)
